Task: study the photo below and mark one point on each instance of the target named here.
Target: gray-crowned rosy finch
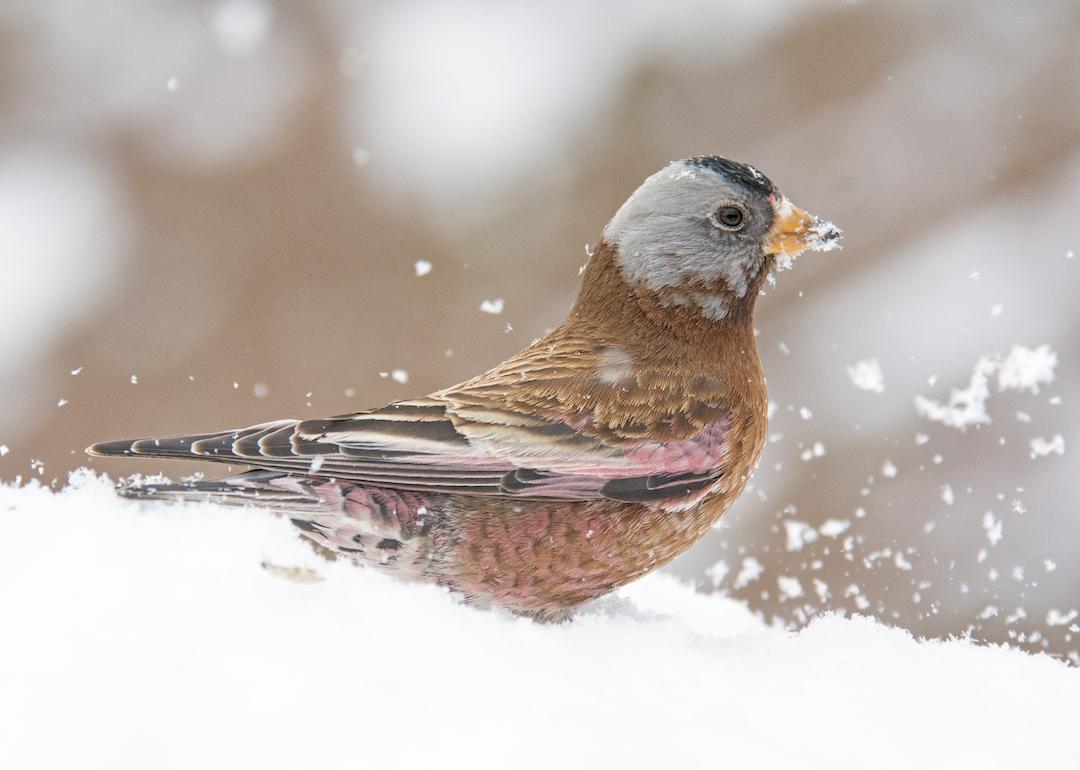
(594, 456)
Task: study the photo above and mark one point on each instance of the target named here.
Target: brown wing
(567, 421)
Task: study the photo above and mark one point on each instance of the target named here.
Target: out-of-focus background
(217, 213)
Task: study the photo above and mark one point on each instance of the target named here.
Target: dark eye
(728, 217)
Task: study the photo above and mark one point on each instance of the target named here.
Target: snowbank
(152, 637)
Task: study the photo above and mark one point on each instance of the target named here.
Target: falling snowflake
(867, 375)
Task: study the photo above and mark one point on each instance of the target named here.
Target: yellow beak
(794, 231)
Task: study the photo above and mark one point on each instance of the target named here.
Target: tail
(220, 446)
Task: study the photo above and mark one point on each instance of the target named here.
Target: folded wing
(472, 440)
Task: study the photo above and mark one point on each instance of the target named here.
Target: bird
(589, 459)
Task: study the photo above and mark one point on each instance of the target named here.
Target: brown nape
(682, 360)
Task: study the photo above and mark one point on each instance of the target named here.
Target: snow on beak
(794, 231)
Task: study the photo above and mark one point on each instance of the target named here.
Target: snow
(422, 267)
(1023, 369)
(834, 527)
(867, 375)
(750, 571)
(1056, 617)
(993, 527)
(218, 634)
(1041, 447)
(798, 533)
(790, 587)
(493, 306)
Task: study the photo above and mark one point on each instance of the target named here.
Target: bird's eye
(728, 218)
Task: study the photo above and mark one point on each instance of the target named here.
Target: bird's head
(704, 232)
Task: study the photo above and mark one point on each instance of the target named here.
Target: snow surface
(199, 636)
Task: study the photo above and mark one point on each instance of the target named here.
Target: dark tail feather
(174, 446)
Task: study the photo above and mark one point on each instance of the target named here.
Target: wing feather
(539, 426)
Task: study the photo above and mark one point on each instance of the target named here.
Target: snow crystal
(867, 375)
(824, 236)
(993, 527)
(816, 450)
(1041, 447)
(834, 527)
(1058, 618)
(821, 588)
(1027, 369)
(423, 267)
(493, 306)
(716, 573)
(966, 406)
(1018, 614)
(799, 533)
(750, 571)
(1022, 369)
(790, 587)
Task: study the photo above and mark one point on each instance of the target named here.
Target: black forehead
(739, 173)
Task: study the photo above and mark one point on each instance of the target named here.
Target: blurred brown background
(226, 201)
